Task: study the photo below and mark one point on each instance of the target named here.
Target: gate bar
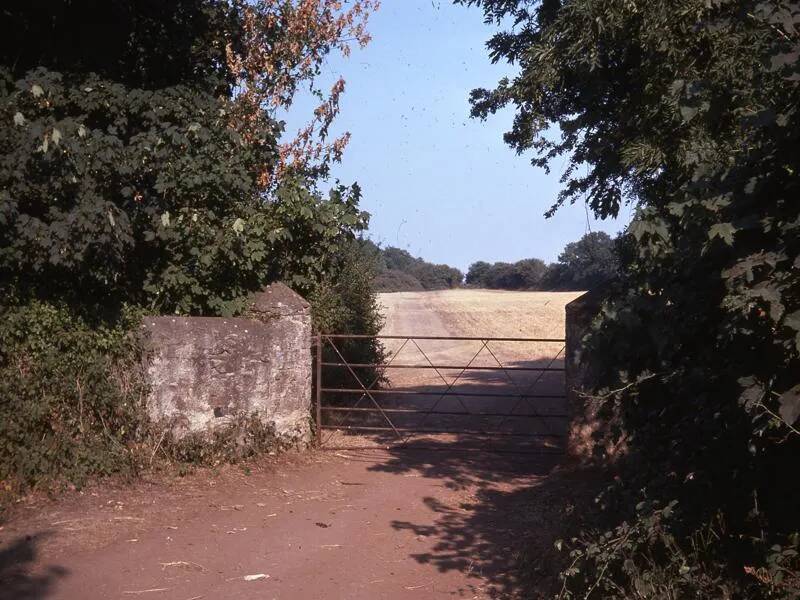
(446, 431)
(457, 414)
(434, 393)
(442, 367)
(437, 337)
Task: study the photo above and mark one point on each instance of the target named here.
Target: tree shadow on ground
(504, 533)
(17, 579)
(520, 497)
(458, 469)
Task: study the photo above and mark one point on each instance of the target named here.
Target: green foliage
(478, 273)
(124, 183)
(644, 558)
(132, 186)
(71, 394)
(314, 233)
(399, 271)
(147, 197)
(526, 274)
(531, 272)
(392, 280)
(345, 303)
(504, 275)
(147, 45)
(583, 265)
(689, 110)
(120, 194)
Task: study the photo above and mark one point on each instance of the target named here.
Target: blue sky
(437, 183)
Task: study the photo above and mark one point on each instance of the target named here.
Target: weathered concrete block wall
(206, 371)
(579, 376)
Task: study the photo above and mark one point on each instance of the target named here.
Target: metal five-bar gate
(466, 393)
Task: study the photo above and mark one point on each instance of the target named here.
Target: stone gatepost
(579, 377)
(205, 372)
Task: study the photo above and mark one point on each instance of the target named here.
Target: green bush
(71, 395)
(110, 195)
(124, 178)
(398, 271)
(582, 265)
(345, 303)
(125, 182)
(591, 261)
(392, 280)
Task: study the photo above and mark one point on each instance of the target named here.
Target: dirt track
(356, 524)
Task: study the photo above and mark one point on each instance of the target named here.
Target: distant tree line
(582, 265)
(399, 271)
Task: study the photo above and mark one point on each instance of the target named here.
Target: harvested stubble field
(470, 313)
(520, 424)
(474, 313)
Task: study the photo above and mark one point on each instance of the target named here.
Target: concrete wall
(206, 371)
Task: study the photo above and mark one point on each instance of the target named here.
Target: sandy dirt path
(355, 524)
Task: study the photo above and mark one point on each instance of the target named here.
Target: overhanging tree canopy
(689, 110)
(128, 169)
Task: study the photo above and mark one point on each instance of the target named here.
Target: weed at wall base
(245, 436)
